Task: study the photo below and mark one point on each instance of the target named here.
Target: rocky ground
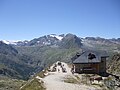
(63, 79)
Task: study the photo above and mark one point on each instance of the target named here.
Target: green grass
(10, 84)
(33, 85)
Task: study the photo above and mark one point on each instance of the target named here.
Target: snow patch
(13, 42)
(6, 42)
(26, 42)
(10, 42)
(38, 41)
(57, 36)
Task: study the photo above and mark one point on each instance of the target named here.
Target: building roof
(84, 57)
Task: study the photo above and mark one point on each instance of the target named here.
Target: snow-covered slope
(10, 42)
(57, 36)
(18, 42)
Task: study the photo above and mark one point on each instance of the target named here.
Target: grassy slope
(33, 85)
(45, 56)
(114, 65)
(10, 84)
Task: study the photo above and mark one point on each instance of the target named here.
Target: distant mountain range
(70, 41)
(24, 58)
(54, 39)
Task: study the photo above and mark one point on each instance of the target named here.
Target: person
(58, 70)
(72, 70)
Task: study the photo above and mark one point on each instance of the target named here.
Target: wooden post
(98, 68)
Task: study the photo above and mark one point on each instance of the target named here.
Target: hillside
(114, 65)
(12, 64)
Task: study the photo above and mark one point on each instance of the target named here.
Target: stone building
(90, 62)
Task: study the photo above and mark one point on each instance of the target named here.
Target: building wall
(99, 67)
(79, 67)
(96, 67)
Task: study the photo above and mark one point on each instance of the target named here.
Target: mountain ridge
(59, 37)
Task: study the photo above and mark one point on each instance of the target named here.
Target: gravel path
(54, 81)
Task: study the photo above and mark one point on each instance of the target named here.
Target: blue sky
(28, 19)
